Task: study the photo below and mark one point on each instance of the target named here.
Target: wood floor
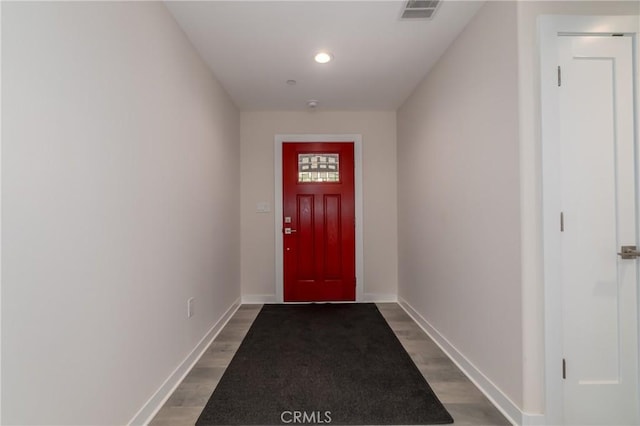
(466, 404)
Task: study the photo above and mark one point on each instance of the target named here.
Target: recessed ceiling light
(291, 82)
(323, 57)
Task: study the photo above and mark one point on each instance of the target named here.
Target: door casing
(550, 27)
(356, 139)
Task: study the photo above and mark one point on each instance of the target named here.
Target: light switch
(263, 207)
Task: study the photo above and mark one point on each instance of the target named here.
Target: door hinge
(561, 221)
(559, 76)
(564, 368)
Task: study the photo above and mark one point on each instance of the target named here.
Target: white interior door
(599, 192)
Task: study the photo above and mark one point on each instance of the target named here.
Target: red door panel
(318, 222)
(332, 240)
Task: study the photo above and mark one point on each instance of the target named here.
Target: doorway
(279, 226)
(319, 222)
(590, 198)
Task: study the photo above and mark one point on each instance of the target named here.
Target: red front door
(318, 222)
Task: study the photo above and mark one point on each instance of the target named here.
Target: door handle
(629, 252)
(289, 231)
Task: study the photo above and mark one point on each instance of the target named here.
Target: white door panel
(598, 197)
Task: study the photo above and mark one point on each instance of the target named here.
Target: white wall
(120, 169)
(459, 200)
(0, 213)
(378, 130)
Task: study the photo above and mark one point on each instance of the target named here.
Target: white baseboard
(533, 419)
(380, 298)
(256, 299)
(153, 405)
(253, 299)
(502, 402)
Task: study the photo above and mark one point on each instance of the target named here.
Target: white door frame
(357, 152)
(550, 27)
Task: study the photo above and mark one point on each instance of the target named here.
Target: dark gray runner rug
(322, 364)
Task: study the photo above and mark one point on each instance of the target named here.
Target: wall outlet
(190, 311)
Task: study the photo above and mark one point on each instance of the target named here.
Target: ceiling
(254, 47)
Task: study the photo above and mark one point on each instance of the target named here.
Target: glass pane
(318, 167)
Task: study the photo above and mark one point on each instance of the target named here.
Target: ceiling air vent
(420, 9)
